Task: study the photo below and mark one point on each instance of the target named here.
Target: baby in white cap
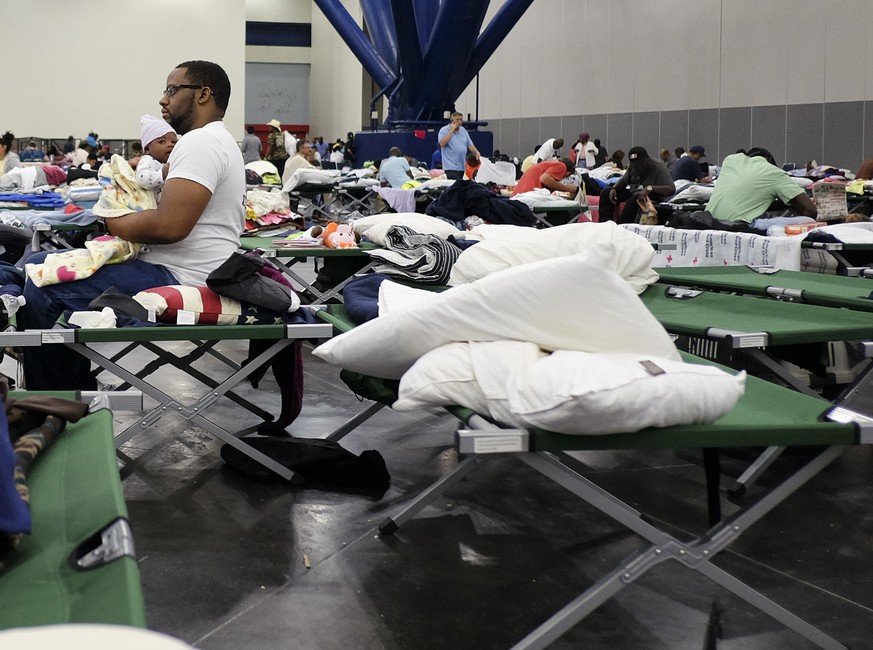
(158, 139)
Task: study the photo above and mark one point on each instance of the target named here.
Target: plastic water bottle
(776, 231)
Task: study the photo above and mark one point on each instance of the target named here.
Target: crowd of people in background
(456, 156)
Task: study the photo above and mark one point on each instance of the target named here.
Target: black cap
(697, 149)
(636, 154)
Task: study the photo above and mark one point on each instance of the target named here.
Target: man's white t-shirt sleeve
(197, 158)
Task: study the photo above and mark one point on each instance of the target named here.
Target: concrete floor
(223, 557)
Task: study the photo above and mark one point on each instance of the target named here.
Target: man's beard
(182, 123)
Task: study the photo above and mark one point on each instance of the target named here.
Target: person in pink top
(547, 174)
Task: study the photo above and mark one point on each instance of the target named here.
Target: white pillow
(394, 296)
(442, 377)
(630, 255)
(376, 226)
(594, 394)
(495, 364)
(473, 375)
(569, 303)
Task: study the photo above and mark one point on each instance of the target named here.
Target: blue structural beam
(457, 26)
(424, 15)
(423, 53)
(502, 23)
(380, 24)
(409, 48)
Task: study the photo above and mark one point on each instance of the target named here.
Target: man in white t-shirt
(549, 150)
(195, 227)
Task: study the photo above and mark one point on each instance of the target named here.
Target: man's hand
(613, 196)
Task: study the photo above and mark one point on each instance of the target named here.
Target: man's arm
(473, 148)
(449, 133)
(804, 206)
(182, 203)
(550, 182)
(662, 183)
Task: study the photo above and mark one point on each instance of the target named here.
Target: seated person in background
(336, 154)
(55, 157)
(436, 160)
(88, 169)
(394, 170)
(668, 159)
(135, 153)
(645, 177)
(80, 155)
(9, 160)
(302, 159)
(747, 186)
(31, 154)
(617, 158)
(865, 171)
(194, 229)
(158, 138)
(549, 175)
(549, 150)
(688, 167)
(471, 168)
(92, 162)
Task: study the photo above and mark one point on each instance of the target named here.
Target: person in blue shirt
(394, 170)
(688, 167)
(455, 142)
(31, 154)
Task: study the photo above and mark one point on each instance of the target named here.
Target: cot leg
(392, 524)
(754, 471)
(354, 422)
(696, 554)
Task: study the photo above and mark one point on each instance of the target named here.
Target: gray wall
(277, 90)
(839, 133)
(788, 75)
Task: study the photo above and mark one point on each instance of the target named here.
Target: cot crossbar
(200, 335)
(696, 554)
(543, 451)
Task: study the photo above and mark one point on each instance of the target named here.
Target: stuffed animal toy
(339, 236)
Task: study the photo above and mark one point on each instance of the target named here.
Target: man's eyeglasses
(172, 89)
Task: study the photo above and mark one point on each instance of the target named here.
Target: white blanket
(502, 173)
(850, 233)
(315, 176)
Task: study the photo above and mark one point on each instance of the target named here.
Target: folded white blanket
(306, 175)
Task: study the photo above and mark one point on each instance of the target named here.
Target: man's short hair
(570, 165)
(300, 144)
(456, 114)
(761, 152)
(212, 76)
(394, 151)
(250, 129)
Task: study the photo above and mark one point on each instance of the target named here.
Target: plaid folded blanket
(414, 256)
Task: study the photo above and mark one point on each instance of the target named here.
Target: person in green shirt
(747, 186)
